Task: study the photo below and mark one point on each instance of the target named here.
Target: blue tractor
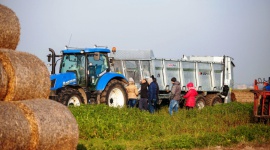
(85, 78)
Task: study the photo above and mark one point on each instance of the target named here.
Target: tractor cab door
(74, 63)
(97, 66)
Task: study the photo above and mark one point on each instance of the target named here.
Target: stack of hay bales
(28, 119)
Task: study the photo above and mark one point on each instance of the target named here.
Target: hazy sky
(171, 28)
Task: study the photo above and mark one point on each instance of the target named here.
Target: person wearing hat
(190, 96)
(132, 92)
(174, 96)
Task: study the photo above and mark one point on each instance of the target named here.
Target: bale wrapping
(27, 77)
(37, 124)
(9, 28)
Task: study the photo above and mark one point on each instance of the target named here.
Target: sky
(171, 28)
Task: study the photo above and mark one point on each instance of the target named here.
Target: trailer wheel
(213, 99)
(114, 94)
(200, 102)
(70, 96)
(216, 100)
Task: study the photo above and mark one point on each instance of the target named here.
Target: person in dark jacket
(174, 96)
(143, 102)
(155, 81)
(152, 95)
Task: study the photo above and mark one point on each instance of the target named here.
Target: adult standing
(190, 96)
(157, 91)
(174, 96)
(132, 93)
(152, 95)
(143, 104)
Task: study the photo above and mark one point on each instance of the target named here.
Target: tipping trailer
(212, 76)
(85, 77)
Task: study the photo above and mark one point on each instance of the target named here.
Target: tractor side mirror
(49, 57)
(111, 60)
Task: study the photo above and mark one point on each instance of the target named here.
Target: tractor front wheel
(70, 96)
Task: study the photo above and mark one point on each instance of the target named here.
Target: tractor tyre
(265, 111)
(70, 96)
(115, 94)
(200, 102)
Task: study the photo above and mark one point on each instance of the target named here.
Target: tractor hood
(60, 80)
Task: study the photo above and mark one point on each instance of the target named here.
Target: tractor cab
(87, 64)
(81, 67)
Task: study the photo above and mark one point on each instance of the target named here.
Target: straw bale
(3, 82)
(28, 77)
(9, 28)
(37, 124)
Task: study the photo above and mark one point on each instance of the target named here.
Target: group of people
(149, 92)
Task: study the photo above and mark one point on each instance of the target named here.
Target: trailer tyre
(200, 102)
(70, 96)
(213, 99)
(216, 100)
(114, 94)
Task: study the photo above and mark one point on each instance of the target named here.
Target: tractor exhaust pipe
(52, 56)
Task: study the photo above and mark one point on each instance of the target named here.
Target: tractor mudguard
(104, 80)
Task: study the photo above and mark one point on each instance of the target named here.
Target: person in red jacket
(190, 96)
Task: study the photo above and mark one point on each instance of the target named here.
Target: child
(190, 96)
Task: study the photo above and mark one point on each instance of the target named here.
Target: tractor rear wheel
(70, 96)
(115, 94)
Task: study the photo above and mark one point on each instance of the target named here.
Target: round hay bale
(37, 124)
(9, 28)
(3, 82)
(27, 77)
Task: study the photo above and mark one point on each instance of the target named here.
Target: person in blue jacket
(267, 88)
(152, 95)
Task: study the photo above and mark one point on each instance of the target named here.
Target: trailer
(212, 75)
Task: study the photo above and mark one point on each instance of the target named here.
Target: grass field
(103, 127)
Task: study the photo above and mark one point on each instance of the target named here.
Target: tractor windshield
(74, 63)
(97, 66)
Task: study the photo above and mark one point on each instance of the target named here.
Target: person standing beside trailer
(157, 91)
(174, 96)
(152, 95)
(132, 93)
(143, 104)
(190, 96)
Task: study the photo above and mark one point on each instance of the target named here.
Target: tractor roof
(86, 50)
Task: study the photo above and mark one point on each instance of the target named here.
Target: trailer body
(212, 76)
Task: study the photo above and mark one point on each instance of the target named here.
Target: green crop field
(103, 127)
